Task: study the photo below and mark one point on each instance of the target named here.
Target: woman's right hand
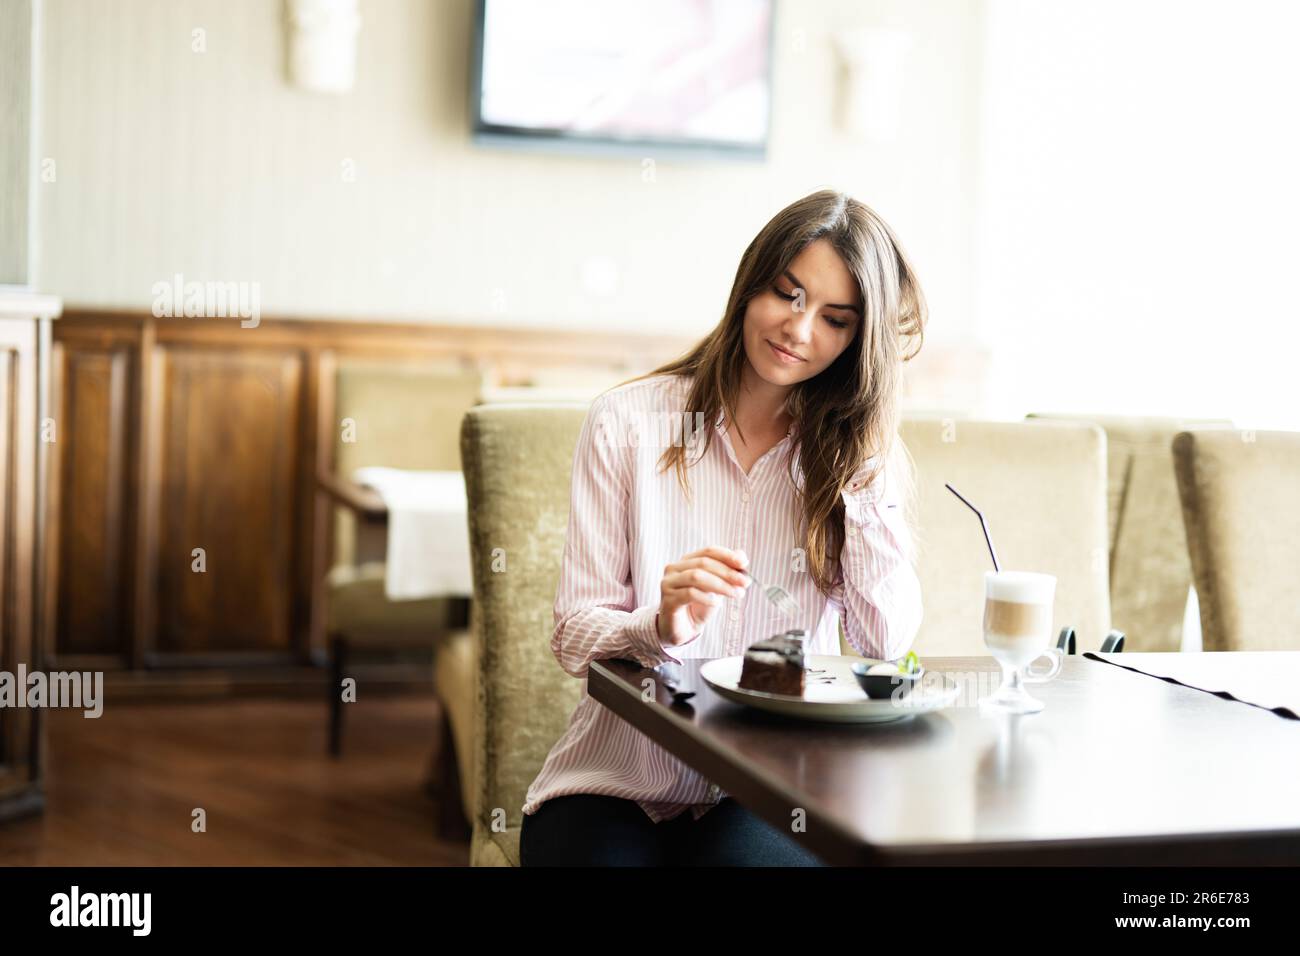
(694, 587)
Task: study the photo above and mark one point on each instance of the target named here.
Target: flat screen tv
(634, 77)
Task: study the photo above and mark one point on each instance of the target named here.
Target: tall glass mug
(1017, 632)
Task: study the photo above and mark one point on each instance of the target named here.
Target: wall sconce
(871, 97)
(323, 44)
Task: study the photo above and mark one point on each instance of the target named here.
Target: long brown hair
(848, 413)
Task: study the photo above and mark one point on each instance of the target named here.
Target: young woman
(791, 469)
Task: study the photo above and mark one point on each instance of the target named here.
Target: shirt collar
(722, 417)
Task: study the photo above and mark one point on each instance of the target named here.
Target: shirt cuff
(643, 635)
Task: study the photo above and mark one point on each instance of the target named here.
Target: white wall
(1139, 203)
(16, 40)
(209, 164)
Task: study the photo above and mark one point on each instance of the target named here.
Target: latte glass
(1017, 632)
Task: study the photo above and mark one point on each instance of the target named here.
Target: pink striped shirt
(627, 520)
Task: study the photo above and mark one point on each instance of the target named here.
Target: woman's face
(812, 311)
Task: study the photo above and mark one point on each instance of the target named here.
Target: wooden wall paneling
(95, 493)
(90, 482)
(230, 447)
(484, 345)
(225, 431)
(146, 408)
(323, 412)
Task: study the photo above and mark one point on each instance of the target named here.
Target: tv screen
(624, 75)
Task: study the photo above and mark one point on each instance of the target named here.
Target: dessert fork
(778, 596)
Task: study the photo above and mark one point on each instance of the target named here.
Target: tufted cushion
(517, 462)
(1238, 491)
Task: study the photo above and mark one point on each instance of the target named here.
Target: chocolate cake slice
(774, 666)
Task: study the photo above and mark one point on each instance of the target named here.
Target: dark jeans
(593, 830)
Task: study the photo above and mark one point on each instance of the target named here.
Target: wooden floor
(120, 790)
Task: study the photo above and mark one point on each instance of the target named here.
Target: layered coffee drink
(1017, 631)
(1018, 615)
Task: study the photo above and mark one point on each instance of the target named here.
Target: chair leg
(338, 655)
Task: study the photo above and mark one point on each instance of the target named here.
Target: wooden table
(1120, 768)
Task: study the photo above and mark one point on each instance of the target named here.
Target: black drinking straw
(983, 524)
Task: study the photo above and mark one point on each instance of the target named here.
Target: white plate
(831, 692)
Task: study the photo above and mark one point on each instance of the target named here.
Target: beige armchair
(1042, 488)
(1238, 491)
(1150, 573)
(397, 415)
(518, 461)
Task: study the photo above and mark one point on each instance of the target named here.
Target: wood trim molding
(484, 346)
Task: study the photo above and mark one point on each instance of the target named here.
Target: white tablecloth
(428, 535)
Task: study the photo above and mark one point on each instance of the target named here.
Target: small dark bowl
(883, 686)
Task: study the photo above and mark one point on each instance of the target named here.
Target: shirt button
(851, 530)
(714, 790)
(745, 496)
(735, 613)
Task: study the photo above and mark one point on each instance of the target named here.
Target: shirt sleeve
(877, 588)
(596, 617)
